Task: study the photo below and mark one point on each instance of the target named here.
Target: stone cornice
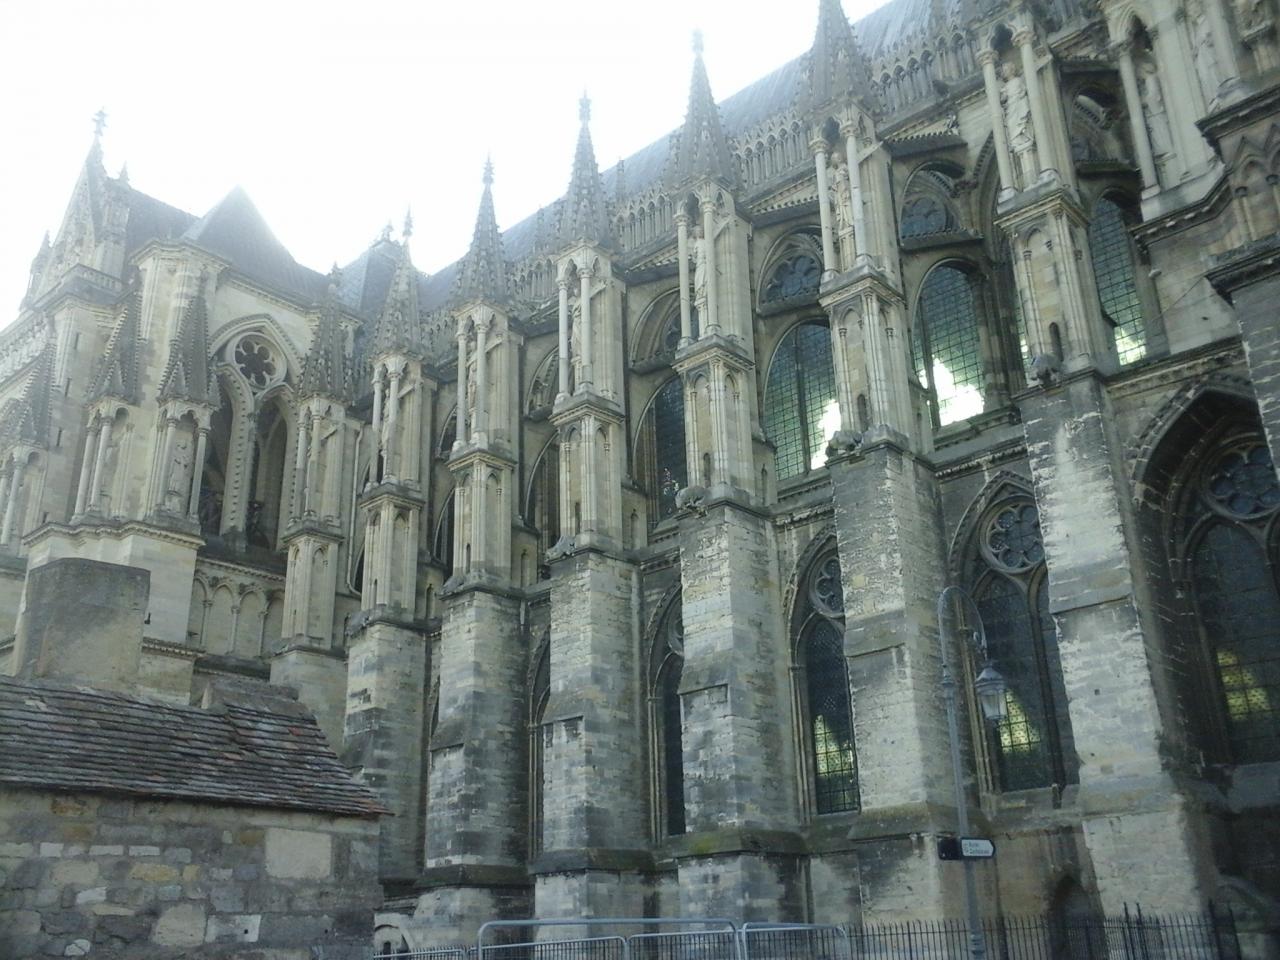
(93, 529)
(1244, 266)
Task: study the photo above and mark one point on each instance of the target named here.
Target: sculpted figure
(179, 480)
(1206, 55)
(1153, 106)
(1017, 119)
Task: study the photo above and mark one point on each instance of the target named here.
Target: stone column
(197, 473)
(95, 488)
(854, 165)
(1127, 795)
(482, 377)
(391, 468)
(166, 460)
(1025, 42)
(377, 422)
(824, 206)
(1137, 123)
(300, 466)
(563, 285)
(992, 86)
(710, 324)
(461, 432)
(86, 467)
(313, 499)
(588, 354)
(682, 255)
(11, 504)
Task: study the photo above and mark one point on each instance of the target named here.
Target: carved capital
(986, 56)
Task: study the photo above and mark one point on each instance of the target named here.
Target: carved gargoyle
(1045, 368)
(691, 498)
(843, 441)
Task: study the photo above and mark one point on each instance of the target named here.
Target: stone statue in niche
(1153, 105)
(575, 343)
(842, 201)
(700, 272)
(1205, 54)
(178, 482)
(1017, 119)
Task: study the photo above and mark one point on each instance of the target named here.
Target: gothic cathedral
(609, 555)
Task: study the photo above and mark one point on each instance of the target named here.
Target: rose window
(257, 361)
(827, 589)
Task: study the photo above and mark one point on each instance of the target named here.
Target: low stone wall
(84, 875)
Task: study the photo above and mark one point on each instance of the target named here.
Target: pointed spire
(585, 218)
(700, 150)
(186, 375)
(407, 232)
(123, 175)
(325, 370)
(117, 372)
(837, 67)
(483, 272)
(397, 328)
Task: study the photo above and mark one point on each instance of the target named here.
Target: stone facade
(610, 553)
(93, 876)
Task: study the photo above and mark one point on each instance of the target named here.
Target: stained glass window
(543, 508)
(796, 276)
(1240, 609)
(662, 449)
(946, 348)
(835, 766)
(672, 747)
(1112, 254)
(1033, 746)
(801, 412)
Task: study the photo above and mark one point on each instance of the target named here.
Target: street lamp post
(958, 618)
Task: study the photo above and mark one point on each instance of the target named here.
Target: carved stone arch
(545, 381)
(928, 201)
(801, 286)
(1004, 485)
(652, 634)
(540, 654)
(266, 326)
(650, 341)
(792, 599)
(1171, 412)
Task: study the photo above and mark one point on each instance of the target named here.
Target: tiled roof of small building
(70, 738)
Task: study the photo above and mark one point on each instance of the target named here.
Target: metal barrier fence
(1131, 936)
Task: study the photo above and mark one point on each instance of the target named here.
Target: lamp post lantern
(959, 620)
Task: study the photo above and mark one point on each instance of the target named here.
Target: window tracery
(823, 690)
(1112, 253)
(662, 451)
(666, 670)
(1033, 746)
(801, 411)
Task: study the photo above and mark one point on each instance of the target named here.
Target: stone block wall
(85, 875)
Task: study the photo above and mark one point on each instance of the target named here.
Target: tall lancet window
(666, 665)
(800, 408)
(662, 450)
(1033, 746)
(946, 344)
(539, 694)
(1230, 524)
(542, 510)
(822, 687)
(1112, 252)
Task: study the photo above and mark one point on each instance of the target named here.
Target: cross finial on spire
(99, 124)
(584, 108)
(408, 223)
(697, 43)
(488, 171)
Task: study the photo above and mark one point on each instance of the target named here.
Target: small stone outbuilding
(135, 828)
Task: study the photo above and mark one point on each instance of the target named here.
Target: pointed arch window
(800, 409)
(539, 695)
(542, 509)
(946, 346)
(1112, 253)
(827, 740)
(442, 545)
(794, 272)
(662, 452)
(666, 670)
(1232, 520)
(1033, 746)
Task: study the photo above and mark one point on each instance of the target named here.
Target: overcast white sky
(336, 116)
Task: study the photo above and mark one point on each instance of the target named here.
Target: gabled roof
(68, 738)
(235, 230)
